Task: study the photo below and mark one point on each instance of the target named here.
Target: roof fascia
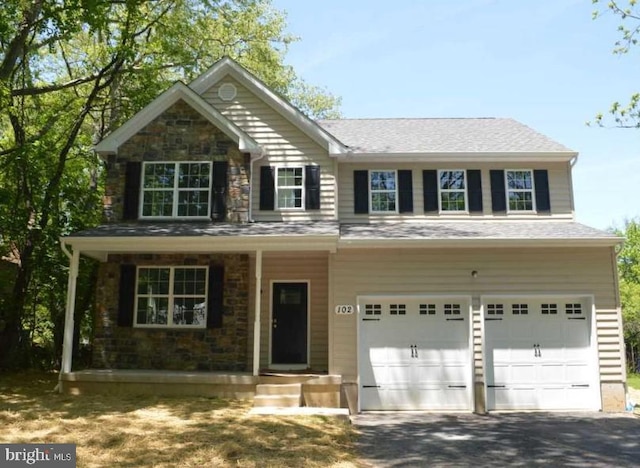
(458, 156)
(478, 243)
(179, 91)
(227, 66)
(100, 247)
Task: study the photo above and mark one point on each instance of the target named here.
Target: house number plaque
(344, 309)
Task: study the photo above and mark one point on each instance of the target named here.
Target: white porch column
(256, 322)
(67, 346)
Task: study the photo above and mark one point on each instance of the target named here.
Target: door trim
(289, 366)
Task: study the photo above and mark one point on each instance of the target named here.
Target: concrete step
(278, 401)
(279, 389)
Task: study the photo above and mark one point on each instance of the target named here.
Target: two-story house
(416, 263)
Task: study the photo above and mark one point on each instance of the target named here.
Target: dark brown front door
(289, 323)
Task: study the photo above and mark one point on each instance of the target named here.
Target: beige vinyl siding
(299, 266)
(559, 190)
(584, 271)
(284, 143)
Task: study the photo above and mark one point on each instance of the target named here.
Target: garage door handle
(371, 386)
(492, 319)
(580, 386)
(496, 386)
(370, 320)
(457, 386)
(576, 318)
(455, 320)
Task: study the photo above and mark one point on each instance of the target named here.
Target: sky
(545, 63)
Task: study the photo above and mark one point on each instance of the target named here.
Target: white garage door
(414, 354)
(538, 354)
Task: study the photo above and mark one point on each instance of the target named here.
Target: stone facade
(180, 134)
(223, 349)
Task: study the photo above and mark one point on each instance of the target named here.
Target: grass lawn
(633, 380)
(138, 431)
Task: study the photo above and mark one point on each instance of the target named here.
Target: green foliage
(629, 273)
(72, 71)
(625, 115)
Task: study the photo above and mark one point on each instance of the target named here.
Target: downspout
(253, 158)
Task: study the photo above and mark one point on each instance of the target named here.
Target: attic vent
(227, 92)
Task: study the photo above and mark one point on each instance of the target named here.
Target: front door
(289, 323)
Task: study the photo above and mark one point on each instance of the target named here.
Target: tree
(624, 115)
(70, 72)
(629, 274)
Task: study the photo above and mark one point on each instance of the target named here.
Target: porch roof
(204, 237)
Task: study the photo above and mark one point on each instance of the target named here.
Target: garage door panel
(540, 360)
(577, 373)
(414, 356)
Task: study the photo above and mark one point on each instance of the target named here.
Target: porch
(315, 390)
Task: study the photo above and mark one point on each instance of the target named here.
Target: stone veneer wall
(213, 349)
(180, 134)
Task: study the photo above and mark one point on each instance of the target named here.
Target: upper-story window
(176, 190)
(453, 190)
(520, 190)
(383, 191)
(171, 297)
(289, 188)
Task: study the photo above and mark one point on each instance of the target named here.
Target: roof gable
(179, 91)
(228, 67)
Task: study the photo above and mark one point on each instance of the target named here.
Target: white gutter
(477, 243)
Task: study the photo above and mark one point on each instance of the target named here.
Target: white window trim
(176, 191)
(533, 191)
(370, 192)
(170, 297)
(277, 188)
(466, 193)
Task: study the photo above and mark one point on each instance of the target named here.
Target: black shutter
(312, 187)
(474, 185)
(127, 293)
(543, 201)
(405, 191)
(360, 192)
(498, 195)
(219, 191)
(215, 303)
(132, 187)
(430, 190)
(267, 188)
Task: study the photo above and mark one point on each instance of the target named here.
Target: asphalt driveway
(510, 439)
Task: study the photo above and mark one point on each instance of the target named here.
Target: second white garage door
(414, 353)
(539, 354)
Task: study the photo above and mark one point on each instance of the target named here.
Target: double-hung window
(176, 190)
(383, 191)
(171, 297)
(453, 190)
(520, 190)
(289, 188)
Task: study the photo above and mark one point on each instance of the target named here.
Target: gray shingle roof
(519, 230)
(211, 229)
(470, 135)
